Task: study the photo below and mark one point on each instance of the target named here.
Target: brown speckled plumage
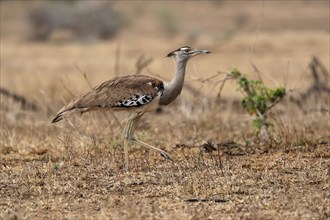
(109, 94)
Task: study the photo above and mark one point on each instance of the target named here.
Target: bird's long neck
(173, 89)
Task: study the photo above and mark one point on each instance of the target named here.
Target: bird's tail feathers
(58, 117)
(64, 113)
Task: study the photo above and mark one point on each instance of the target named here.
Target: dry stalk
(117, 59)
(103, 113)
(142, 63)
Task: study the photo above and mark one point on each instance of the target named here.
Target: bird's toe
(166, 155)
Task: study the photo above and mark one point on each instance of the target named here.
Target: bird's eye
(185, 49)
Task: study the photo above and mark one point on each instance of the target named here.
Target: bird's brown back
(121, 92)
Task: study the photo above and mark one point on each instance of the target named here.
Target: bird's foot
(165, 155)
(126, 169)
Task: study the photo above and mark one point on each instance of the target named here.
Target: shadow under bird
(135, 94)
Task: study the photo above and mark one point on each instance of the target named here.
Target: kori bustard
(136, 94)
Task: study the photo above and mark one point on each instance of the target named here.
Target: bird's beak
(197, 52)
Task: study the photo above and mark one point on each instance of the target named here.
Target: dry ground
(74, 169)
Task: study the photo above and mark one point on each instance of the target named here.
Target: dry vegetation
(74, 169)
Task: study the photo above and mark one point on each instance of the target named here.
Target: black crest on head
(179, 49)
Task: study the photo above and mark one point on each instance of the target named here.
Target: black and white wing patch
(136, 101)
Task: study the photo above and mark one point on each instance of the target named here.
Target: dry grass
(74, 169)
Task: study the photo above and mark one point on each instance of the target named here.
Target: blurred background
(48, 46)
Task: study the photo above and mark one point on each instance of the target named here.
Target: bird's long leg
(126, 143)
(163, 153)
(129, 136)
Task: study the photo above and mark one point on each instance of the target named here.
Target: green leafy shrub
(258, 100)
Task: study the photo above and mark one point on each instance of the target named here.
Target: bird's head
(186, 53)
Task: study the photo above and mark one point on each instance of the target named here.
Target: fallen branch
(24, 102)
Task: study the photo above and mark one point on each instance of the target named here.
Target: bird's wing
(120, 92)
